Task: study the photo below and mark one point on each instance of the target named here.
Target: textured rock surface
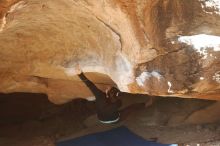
(152, 46)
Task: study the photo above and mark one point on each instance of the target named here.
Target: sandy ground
(31, 120)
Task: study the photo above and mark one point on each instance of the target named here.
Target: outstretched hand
(78, 69)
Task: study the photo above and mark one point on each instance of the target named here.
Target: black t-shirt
(106, 110)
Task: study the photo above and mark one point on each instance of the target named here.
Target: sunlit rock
(157, 47)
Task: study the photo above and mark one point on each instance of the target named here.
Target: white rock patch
(70, 71)
(146, 75)
(91, 98)
(3, 23)
(169, 89)
(124, 74)
(17, 6)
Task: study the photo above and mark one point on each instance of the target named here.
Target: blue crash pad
(116, 137)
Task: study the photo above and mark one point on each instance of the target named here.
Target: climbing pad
(121, 136)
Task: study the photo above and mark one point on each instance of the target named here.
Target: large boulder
(157, 47)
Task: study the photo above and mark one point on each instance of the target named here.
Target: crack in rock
(167, 53)
(105, 24)
(112, 29)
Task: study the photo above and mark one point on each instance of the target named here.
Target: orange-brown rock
(159, 47)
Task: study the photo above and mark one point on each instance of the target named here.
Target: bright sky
(212, 4)
(202, 42)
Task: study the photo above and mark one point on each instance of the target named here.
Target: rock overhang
(144, 47)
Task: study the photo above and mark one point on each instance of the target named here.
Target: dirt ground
(31, 120)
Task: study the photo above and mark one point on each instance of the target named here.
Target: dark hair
(113, 92)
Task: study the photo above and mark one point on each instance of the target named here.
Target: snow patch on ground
(146, 75)
(202, 42)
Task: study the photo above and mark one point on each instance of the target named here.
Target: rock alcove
(169, 48)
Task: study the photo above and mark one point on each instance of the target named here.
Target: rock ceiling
(157, 47)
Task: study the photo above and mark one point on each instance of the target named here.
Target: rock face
(158, 47)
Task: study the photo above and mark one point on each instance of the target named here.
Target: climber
(144, 98)
(107, 104)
